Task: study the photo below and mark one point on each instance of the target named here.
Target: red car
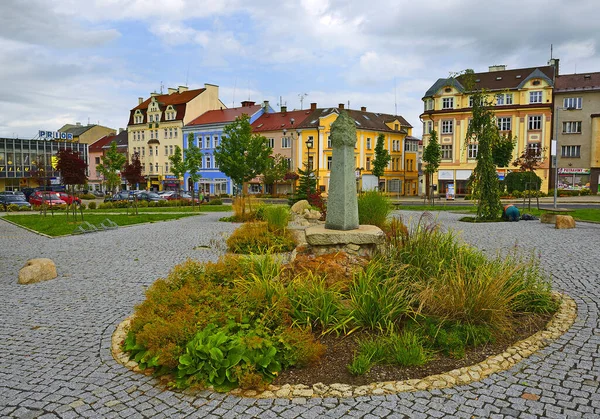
(48, 198)
(69, 199)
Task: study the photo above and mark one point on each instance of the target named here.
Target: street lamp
(358, 172)
(554, 150)
(309, 145)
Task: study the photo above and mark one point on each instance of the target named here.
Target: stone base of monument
(362, 241)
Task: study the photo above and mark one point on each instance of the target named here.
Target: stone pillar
(342, 204)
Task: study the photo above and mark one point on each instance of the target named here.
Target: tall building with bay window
(156, 124)
(577, 130)
(523, 102)
(30, 163)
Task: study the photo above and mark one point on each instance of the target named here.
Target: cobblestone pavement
(55, 336)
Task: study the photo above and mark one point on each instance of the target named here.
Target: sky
(67, 61)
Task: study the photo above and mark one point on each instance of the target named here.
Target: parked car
(98, 194)
(44, 197)
(183, 196)
(119, 196)
(149, 196)
(69, 199)
(10, 199)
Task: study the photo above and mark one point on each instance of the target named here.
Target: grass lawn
(60, 225)
(438, 207)
(203, 208)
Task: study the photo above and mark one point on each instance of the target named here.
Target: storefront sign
(573, 171)
(55, 135)
(445, 175)
(463, 174)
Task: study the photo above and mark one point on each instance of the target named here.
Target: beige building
(577, 129)
(87, 134)
(155, 128)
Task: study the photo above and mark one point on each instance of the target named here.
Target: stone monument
(342, 205)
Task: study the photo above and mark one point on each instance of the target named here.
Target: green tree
(193, 163)
(307, 184)
(382, 158)
(432, 157)
(132, 173)
(484, 131)
(72, 170)
(242, 155)
(178, 167)
(502, 150)
(275, 171)
(112, 163)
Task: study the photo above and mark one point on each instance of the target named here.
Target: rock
(37, 270)
(364, 234)
(564, 222)
(548, 218)
(300, 206)
(312, 214)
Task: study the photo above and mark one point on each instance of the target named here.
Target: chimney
(497, 67)
(121, 130)
(313, 106)
(172, 90)
(283, 109)
(182, 89)
(554, 62)
(247, 103)
(266, 104)
(140, 100)
(363, 108)
(154, 94)
(341, 106)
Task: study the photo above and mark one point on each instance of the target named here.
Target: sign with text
(573, 171)
(55, 135)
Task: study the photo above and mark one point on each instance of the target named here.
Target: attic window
(518, 76)
(260, 125)
(498, 78)
(365, 116)
(477, 80)
(587, 76)
(357, 123)
(447, 90)
(313, 122)
(536, 82)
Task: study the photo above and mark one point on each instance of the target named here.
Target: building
(97, 150)
(207, 131)
(313, 145)
(577, 129)
(87, 134)
(523, 108)
(31, 163)
(281, 129)
(156, 124)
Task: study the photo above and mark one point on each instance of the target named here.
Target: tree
(193, 163)
(242, 155)
(529, 160)
(382, 158)
(275, 171)
(432, 157)
(112, 163)
(132, 172)
(502, 150)
(177, 165)
(72, 170)
(307, 185)
(484, 131)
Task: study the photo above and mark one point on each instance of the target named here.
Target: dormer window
(448, 103)
(535, 97)
(536, 83)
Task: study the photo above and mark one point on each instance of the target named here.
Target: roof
(175, 98)
(279, 120)
(76, 130)
(495, 80)
(577, 82)
(364, 120)
(97, 146)
(409, 137)
(121, 139)
(224, 115)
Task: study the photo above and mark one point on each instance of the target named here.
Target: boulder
(548, 218)
(564, 221)
(300, 206)
(37, 270)
(312, 214)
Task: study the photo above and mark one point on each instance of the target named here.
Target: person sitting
(510, 213)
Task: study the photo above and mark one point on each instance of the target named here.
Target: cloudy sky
(64, 61)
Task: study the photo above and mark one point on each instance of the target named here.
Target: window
(534, 149)
(271, 142)
(215, 141)
(535, 97)
(207, 142)
(328, 141)
(175, 132)
(504, 123)
(504, 99)
(447, 152)
(472, 151)
(170, 150)
(428, 105)
(156, 167)
(470, 101)
(535, 122)
(288, 163)
(166, 132)
(142, 135)
(166, 150)
(571, 151)
(448, 103)
(286, 142)
(447, 126)
(143, 151)
(572, 127)
(166, 167)
(329, 161)
(151, 118)
(157, 118)
(572, 102)
(429, 127)
(368, 165)
(368, 143)
(156, 151)
(208, 162)
(150, 167)
(508, 98)
(150, 150)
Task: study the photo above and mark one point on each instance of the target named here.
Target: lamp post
(309, 146)
(554, 151)
(358, 172)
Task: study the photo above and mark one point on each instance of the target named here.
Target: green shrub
(143, 204)
(92, 205)
(24, 208)
(360, 364)
(276, 216)
(407, 349)
(256, 238)
(373, 208)
(215, 201)
(82, 206)
(12, 208)
(87, 196)
(519, 181)
(105, 205)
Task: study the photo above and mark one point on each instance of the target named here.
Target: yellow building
(523, 108)
(313, 143)
(155, 128)
(86, 134)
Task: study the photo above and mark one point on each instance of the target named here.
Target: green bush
(276, 216)
(256, 238)
(87, 196)
(12, 208)
(106, 205)
(92, 205)
(373, 208)
(24, 208)
(215, 201)
(83, 206)
(519, 181)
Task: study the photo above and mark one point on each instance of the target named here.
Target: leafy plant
(256, 238)
(373, 209)
(360, 364)
(276, 216)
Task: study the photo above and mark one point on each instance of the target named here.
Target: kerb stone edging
(559, 324)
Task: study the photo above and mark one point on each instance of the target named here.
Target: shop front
(445, 178)
(574, 179)
(154, 182)
(170, 183)
(461, 186)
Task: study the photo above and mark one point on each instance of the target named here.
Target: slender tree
(72, 171)
(275, 171)
(432, 157)
(382, 158)
(178, 167)
(242, 155)
(132, 172)
(112, 164)
(193, 163)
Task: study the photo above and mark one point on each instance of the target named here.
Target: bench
(549, 215)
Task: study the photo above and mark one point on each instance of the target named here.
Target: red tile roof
(280, 120)
(97, 146)
(577, 82)
(224, 115)
(177, 100)
(373, 121)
